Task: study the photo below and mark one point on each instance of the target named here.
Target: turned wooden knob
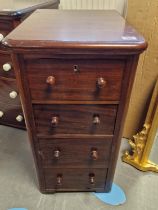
(50, 80)
(96, 120)
(57, 154)
(101, 82)
(94, 154)
(59, 179)
(55, 121)
(92, 178)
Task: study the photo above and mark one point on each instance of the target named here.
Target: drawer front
(75, 152)
(6, 67)
(54, 79)
(75, 119)
(8, 92)
(11, 115)
(75, 179)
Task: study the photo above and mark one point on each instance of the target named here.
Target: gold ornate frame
(142, 142)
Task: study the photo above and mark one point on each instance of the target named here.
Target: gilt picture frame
(142, 142)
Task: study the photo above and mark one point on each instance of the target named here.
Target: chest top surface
(13, 7)
(75, 29)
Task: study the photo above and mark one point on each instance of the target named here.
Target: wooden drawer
(6, 68)
(75, 180)
(66, 79)
(76, 152)
(11, 115)
(9, 92)
(75, 119)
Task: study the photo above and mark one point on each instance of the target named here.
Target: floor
(18, 184)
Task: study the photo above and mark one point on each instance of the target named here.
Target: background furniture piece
(12, 13)
(75, 81)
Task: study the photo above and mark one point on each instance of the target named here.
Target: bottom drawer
(11, 115)
(75, 179)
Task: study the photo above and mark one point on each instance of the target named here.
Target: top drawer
(77, 79)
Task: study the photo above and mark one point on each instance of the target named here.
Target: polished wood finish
(12, 13)
(75, 152)
(75, 180)
(82, 31)
(80, 85)
(75, 121)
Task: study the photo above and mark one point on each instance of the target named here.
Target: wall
(93, 4)
(143, 15)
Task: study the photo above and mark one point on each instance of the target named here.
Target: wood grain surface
(75, 119)
(75, 85)
(107, 56)
(75, 152)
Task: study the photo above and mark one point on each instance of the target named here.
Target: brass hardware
(96, 120)
(57, 154)
(92, 178)
(142, 142)
(94, 154)
(50, 80)
(55, 121)
(59, 179)
(101, 82)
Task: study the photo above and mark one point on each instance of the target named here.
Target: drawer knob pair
(19, 118)
(7, 67)
(100, 81)
(1, 37)
(55, 120)
(60, 178)
(94, 154)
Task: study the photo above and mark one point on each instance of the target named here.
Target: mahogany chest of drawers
(75, 72)
(12, 13)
